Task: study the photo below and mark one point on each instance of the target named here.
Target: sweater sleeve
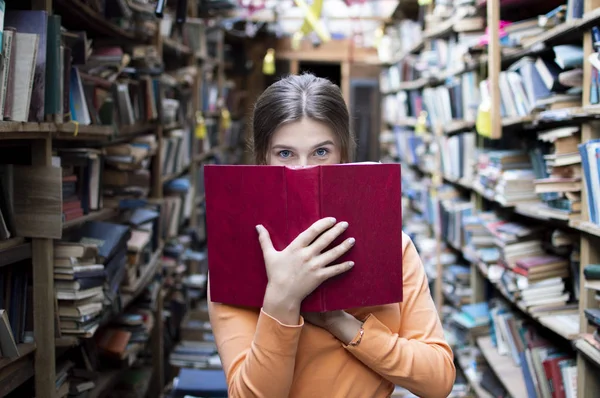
(416, 357)
(257, 351)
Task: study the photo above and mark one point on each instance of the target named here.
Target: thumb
(264, 239)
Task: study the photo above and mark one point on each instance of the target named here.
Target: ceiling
(341, 20)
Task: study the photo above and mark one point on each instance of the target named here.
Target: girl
(277, 352)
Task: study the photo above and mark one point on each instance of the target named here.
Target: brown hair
(294, 97)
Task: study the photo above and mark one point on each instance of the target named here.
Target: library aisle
(109, 109)
(491, 107)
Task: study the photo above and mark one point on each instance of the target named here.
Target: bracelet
(360, 336)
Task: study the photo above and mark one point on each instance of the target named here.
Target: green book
(592, 272)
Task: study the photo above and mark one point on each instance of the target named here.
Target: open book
(286, 201)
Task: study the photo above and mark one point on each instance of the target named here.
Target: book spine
(303, 209)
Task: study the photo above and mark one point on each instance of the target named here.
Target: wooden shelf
(175, 47)
(25, 350)
(586, 227)
(86, 17)
(16, 371)
(14, 253)
(131, 293)
(173, 176)
(510, 375)
(458, 126)
(589, 352)
(172, 126)
(103, 214)
(105, 383)
(70, 131)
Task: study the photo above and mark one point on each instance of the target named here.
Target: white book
(26, 46)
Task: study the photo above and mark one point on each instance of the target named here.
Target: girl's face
(304, 143)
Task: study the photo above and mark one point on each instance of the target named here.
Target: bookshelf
(187, 68)
(467, 203)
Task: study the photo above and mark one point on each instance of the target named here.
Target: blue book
(201, 383)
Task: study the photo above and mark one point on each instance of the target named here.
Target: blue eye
(321, 152)
(285, 153)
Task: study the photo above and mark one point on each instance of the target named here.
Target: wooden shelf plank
(16, 371)
(70, 131)
(131, 293)
(25, 350)
(99, 215)
(510, 375)
(587, 227)
(15, 253)
(457, 126)
(174, 46)
(588, 351)
(10, 243)
(173, 176)
(105, 383)
(94, 21)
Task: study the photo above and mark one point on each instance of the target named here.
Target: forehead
(303, 133)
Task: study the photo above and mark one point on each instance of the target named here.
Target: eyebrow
(279, 146)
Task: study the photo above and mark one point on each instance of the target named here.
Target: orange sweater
(403, 344)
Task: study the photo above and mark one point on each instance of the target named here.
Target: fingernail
(332, 220)
(258, 228)
(344, 225)
(351, 241)
(351, 263)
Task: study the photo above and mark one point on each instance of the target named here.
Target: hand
(302, 266)
(340, 324)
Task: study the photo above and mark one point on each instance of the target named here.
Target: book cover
(286, 201)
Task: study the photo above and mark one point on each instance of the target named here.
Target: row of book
(50, 72)
(539, 295)
(544, 177)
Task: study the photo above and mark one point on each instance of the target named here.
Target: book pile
(469, 322)
(126, 337)
(558, 174)
(457, 284)
(534, 270)
(142, 246)
(127, 177)
(94, 255)
(197, 348)
(506, 176)
(78, 283)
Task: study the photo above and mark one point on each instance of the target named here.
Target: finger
(310, 234)
(333, 254)
(264, 238)
(333, 270)
(329, 236)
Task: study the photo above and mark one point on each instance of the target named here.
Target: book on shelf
(286, 201)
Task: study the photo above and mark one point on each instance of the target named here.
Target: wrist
(281, 306)
(345, 327)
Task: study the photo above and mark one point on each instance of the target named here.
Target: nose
(299, 162)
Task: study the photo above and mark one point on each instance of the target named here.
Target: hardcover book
(286, 201)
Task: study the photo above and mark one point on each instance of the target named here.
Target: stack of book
(111, 240)
(126, 176)
(78, 281)
(506, 176)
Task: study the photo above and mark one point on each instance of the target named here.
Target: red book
(286, 201)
